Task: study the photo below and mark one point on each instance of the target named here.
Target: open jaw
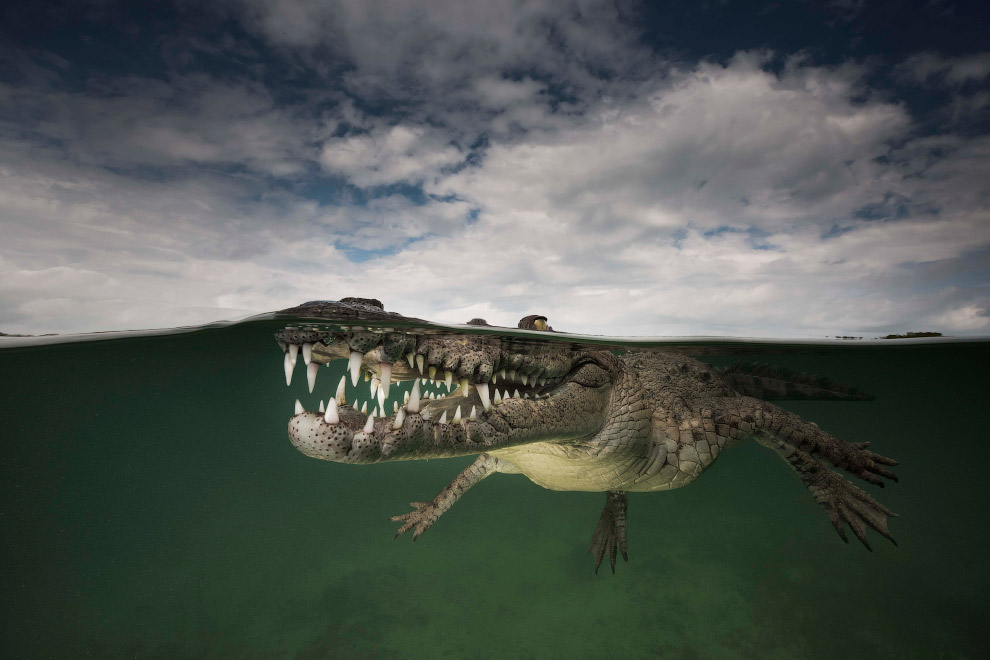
(490, 395)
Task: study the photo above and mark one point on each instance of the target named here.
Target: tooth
(448, 378)
(483, 393)
(515, 395)
(526, 395)
(513, 375)
(433, 395)
(399, 417)
(413, 404)
(419, 363)
(331, 417)
(356, 406)
(299, 408)
(411, 359)
(381, 399)
(494, 377)
(354, 366)
(395, 407)
(378, 412)
(443, 417)
(474, 414)
(426, 413)
(433, 372)
(498, 397)
(287, 363)
(405, 398)
(307, 352)
(501, 373)
(542, 381)
(457, 415)
(386, 369)
(322, 407)
(369, 426)
(364, 406)
(367, 376)
(340, 389)
(375, 384)
(525, 379)
(423, 381)
(293, 352)
(311, 375)
(465, 387)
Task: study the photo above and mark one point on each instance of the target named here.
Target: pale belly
(561, 467)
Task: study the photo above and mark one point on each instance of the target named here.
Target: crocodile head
(509, 390)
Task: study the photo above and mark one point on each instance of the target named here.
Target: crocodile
(569, 416)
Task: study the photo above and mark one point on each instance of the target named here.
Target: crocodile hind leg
(427, 513)
(801, 443)
(610, 533)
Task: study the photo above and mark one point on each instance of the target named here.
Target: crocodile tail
(764, 381)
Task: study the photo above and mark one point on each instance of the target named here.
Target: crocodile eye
(590, 375)
(540, 324)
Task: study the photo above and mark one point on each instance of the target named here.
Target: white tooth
(515, 395)
(413, 404)
(405, 398)
(386, 369)
(340, 387)
(354, 366)
(525, 379)
(513, 375)
(381, 399)
(395, 407)
(411, 359)
(331, 417)
(399, 417)
(465, 387)
(483, 393)
(474, 414)
(501, 373)
(448, 378)
(287, 363)
(299, 407)
(433, 395)
(369, 426)
(457, 415)
(494, 378)
(526, 395)
(542, 381)
(364, 406)
(322, 407)
(423, 381)
(356, 406)
(307, 352)
(426, 413)
(375, 383)
(443, 417)
(293, 352)
(498, 397)
(432, 371)
(420, 361)
(311, 375)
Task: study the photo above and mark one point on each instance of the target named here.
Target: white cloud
(396, 154)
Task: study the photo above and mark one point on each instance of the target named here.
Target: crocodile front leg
(427, 513)
(610, 533)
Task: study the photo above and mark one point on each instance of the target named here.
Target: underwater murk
(153, 506)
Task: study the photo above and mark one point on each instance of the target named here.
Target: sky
(772, 169)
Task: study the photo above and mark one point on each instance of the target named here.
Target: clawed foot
(420, 519)
(846, 504)
(610, 534)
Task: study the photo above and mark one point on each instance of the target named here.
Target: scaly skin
(642, 421)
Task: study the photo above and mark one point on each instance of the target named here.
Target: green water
(152, 507)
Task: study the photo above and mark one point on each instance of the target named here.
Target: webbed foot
(423, 515)
(846, 504)
(610, 534)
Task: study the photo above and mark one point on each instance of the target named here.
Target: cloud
(930, 67)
